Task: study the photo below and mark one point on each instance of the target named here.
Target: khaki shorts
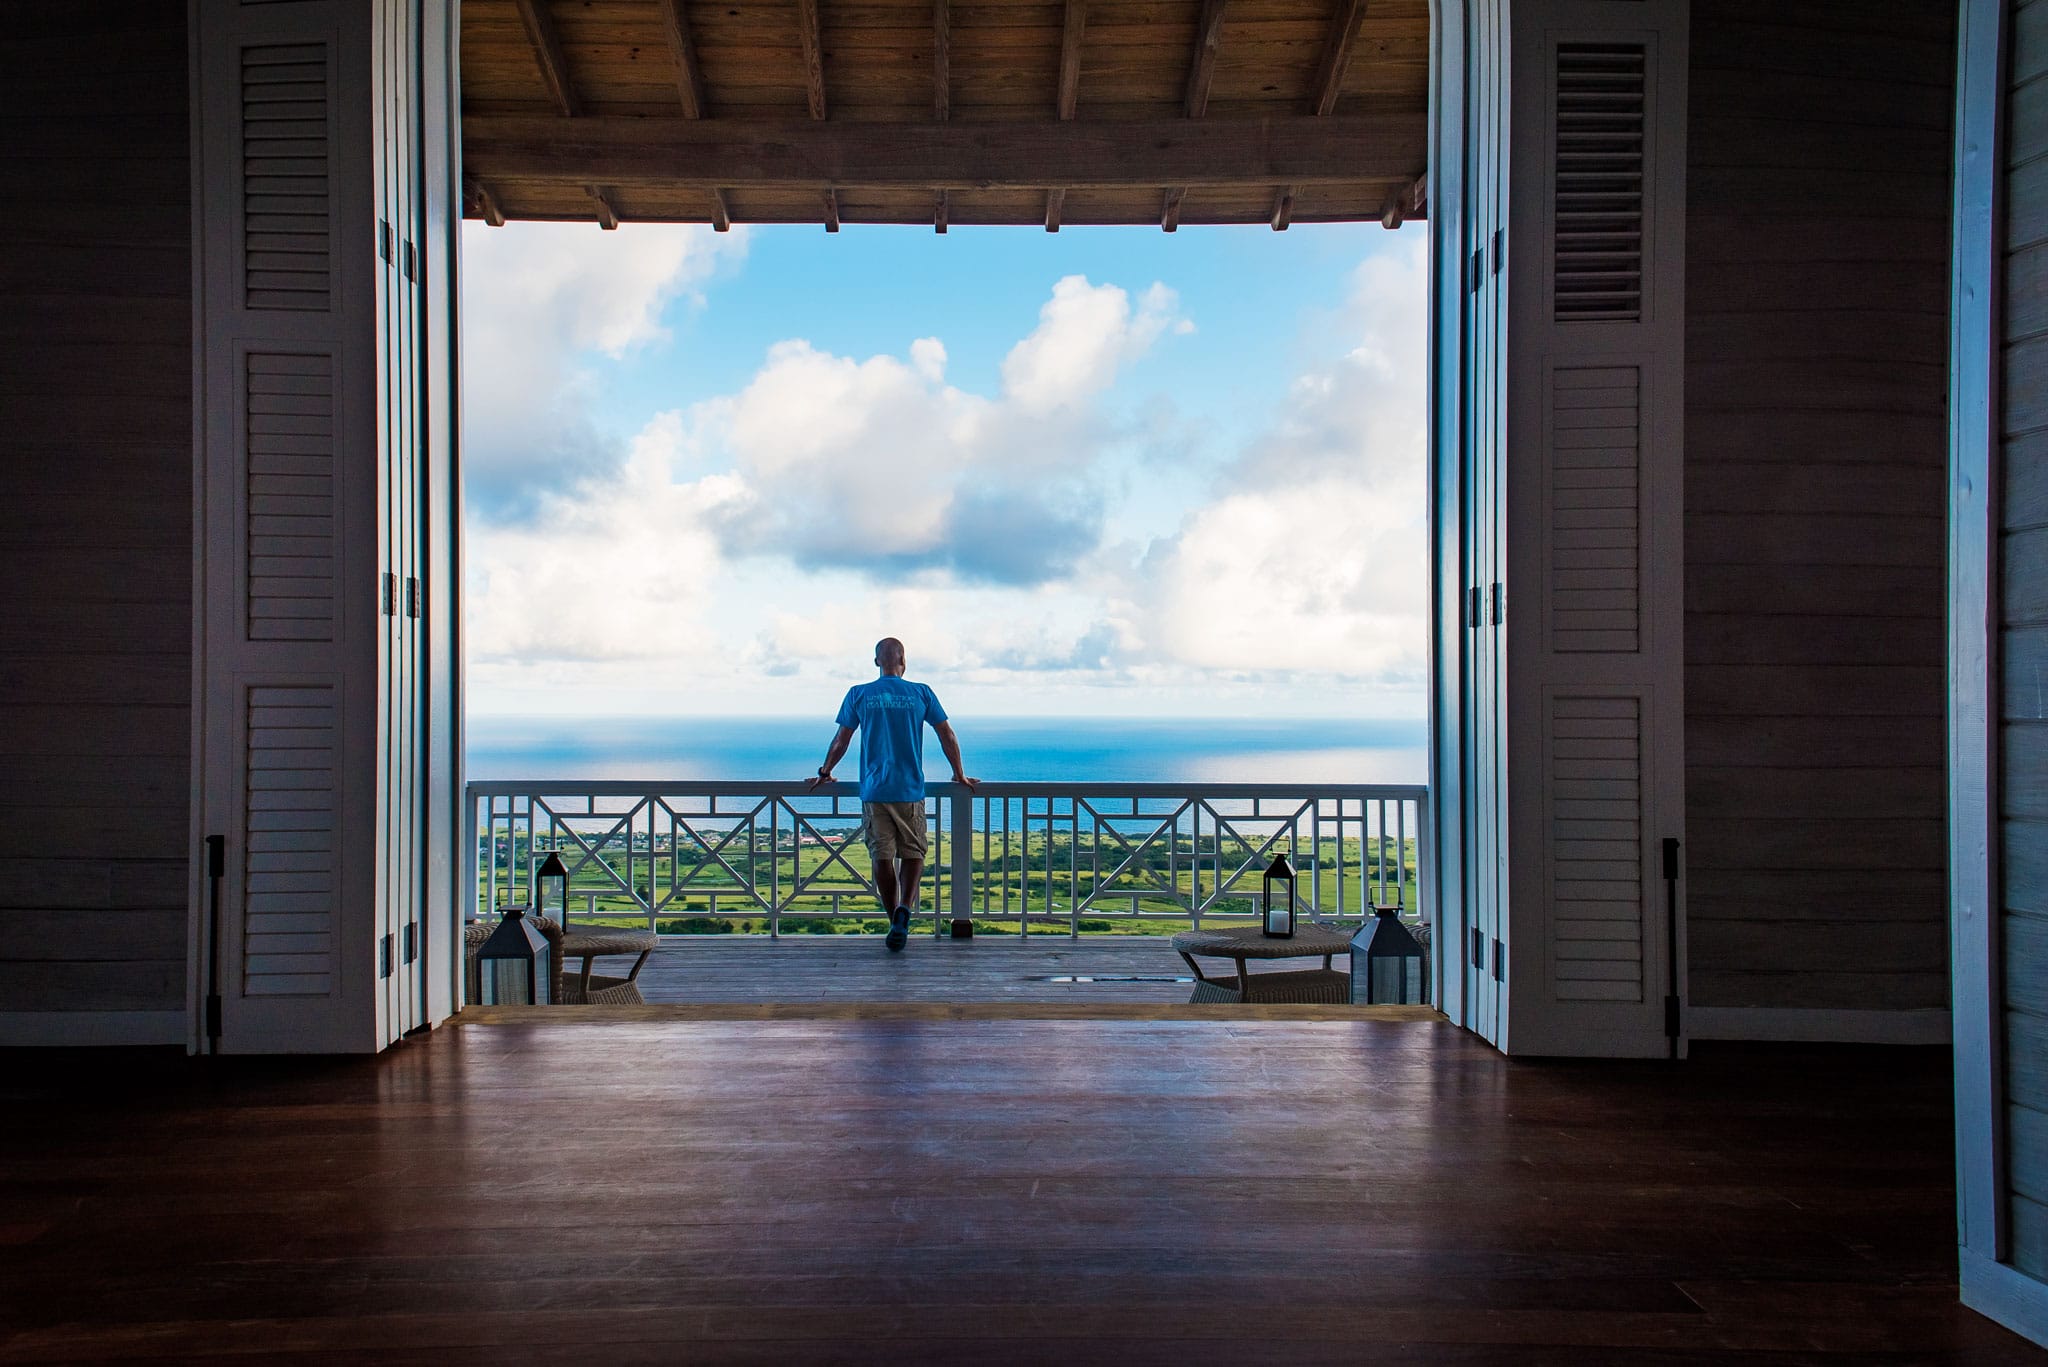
(893, 830)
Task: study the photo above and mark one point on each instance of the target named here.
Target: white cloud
(755, 544)
(1085, 333)
(881, 464)
(610, 573)
(539, 301)
(1316, 561)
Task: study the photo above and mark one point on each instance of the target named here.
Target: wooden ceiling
(944, 112)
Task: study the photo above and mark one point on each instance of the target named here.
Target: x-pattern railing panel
(1031, 857)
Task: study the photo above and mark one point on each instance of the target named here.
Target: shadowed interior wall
(2023, 638)
(96, 537)
(1816, 365)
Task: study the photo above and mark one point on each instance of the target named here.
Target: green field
(1043, 874)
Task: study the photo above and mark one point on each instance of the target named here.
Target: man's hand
(835, 752)
(972, 783)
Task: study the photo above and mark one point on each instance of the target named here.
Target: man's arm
(833, 754)
(950, 743)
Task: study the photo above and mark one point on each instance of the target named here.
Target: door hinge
(384, 240)
(384, 947)
(412, 941)
(408, 261)
(1500, 604)
(1478, 270)
(1500, 251)
(389, 584)
(1478, 948)
(1475, 608)
(1500, 962)
(413, 596)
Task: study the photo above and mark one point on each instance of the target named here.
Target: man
(891, 714)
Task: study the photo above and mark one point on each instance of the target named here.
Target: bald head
(889, 655)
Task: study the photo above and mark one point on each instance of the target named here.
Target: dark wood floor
(990, 1191)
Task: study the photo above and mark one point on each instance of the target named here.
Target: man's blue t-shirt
(891, 714)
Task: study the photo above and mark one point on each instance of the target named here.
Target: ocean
(1008, 749)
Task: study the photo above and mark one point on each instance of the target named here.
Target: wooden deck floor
(693, 969)
(985, 1191)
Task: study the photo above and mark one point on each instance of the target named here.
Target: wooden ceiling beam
(1202, 65)
(731, 153)
(811, 36)
(1055, 201)
(607, 216)
(1336, 58)
(1070, 57)
(1169, 209)
(546, 40)
(1283, 208)
(939, 209)
(831, 210)
(942, 60)
(486, 204)
(721, 212)
(689, 75)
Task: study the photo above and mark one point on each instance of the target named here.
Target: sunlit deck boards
(991, 1192)
(848, 968)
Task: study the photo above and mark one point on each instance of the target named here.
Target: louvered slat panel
(286, 195)
(1597, 194)
(1595, 509)
(291, 878)
(288, 404)
(1596, 848)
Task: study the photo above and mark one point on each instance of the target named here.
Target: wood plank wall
(96, 537)
(1817, 281)
(2023, 637)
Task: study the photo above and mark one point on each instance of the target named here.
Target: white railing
(1018, 857)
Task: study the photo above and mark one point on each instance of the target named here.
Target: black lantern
(1280, 898)
(1386, 961)
(551, 889)
(512, 966)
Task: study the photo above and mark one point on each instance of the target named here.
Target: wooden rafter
(689, 75)
(812, 38)
(939, 209)
(942, 60)
(1202, 65)
(1070, 57)
(1336, 58)
(1201, 72)
(721, 212)
(831, 210)
(1283, 208)
(1394, 208)
(797, 153)
(607, 215)
(539, 21)
(486, 204)
(1069, 98)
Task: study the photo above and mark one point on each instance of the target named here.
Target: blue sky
(1103, 472)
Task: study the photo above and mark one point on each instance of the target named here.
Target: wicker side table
(596, 989)
(1240, 943)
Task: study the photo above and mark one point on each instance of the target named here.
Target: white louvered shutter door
(1595, 543)
(289, 502)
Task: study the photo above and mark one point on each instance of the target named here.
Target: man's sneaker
(899, 928)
